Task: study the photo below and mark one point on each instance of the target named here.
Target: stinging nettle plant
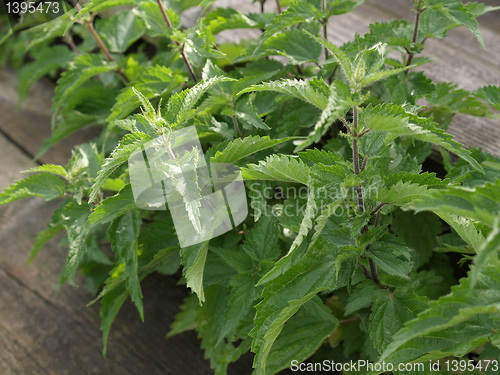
(351, 248)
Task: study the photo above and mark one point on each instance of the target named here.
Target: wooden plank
(29, 125)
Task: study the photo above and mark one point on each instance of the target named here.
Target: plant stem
(236, 126)
(377, 208)
(359, 188)
(363, 166)
(415, 30)
(349, 320)
(278, 6)
(374, 271)
(183, 54)
(355, 158)
(99, 41)
(68, 39)
(325, 26)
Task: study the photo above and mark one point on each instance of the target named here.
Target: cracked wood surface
(44, 334)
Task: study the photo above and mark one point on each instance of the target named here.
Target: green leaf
(95, 6)
(110, 306)
(401, 193)
(278, 168)
(392, 256)
(491, 94)
(458, 13)
(335, 8)
(486, 252)
(297, 13)
(57, 170)
(465, 228)
(83, 68)
(340, 56)
(481, 203)
(448, 98)
(120, 155)
(67, 124)
(193, 259)
(294, 44)
(43, 237)
(240, 302)
(120, 30)
(243, 147)
(362, 296)
(463, 173)
(262, 242)
(108, 210)
(123, 234)
(305, 226)
(45, 185)
(185, 320)
(47, 61)
(338, 104)
(151, 82)
(453, 325)
(314, 92)
(180, 106)
(389, 313)
(153, 18)
(301, 336)
(221, 19)
(48, 31)
(418, 232)
(399, 122)
(283, 297)
(246, 112)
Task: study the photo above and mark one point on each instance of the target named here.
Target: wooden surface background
(44, 334)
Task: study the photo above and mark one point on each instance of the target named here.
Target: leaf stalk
(359, 189)
(182, 53)
(419, 11)
(278, 6)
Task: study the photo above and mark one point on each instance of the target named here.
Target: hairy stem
(278, 6)
(359, 188)
(419, 11)
(183, 54)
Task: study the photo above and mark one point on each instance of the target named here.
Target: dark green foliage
(352, 252)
